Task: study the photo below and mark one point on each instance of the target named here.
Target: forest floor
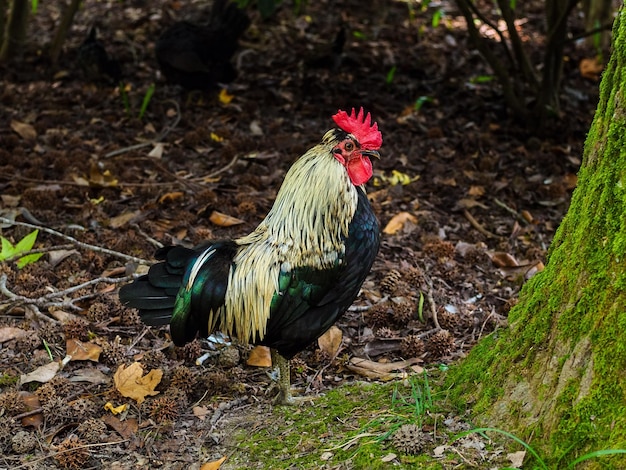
(469, 200)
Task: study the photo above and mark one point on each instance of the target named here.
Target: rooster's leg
(284, 383)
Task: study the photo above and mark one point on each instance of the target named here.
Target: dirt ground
(468, 198)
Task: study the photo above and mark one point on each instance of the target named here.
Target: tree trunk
(15, 34)
(556, 377)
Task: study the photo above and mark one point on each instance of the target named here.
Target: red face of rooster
(361, 140)
(351, 155)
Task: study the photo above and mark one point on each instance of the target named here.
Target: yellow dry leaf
(104, 179)
(396, 177)
(216, 138)
(260, 357)
(82, 351)
(171, 196)
(476, 191)
(131, 382)
(224, 220)
(24, 130)
(591, 68)
(122, 219)
(398, 222)
(225, 97)
(215, 465)
(330, 341)
(115, 409)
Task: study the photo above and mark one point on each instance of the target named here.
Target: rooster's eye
(349, 146)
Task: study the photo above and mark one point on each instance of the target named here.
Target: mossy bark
(557, 376)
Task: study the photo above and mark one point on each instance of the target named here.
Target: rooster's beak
(370, 153)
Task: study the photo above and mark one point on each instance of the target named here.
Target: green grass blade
(597, 453)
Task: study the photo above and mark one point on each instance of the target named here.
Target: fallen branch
(47, 301)
(76, 242)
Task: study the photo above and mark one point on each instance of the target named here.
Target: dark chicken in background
(288, 281)
(95, 62)
(197, 57)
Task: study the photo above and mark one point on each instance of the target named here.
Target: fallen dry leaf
(31, 402)
(115, 409)
(591, 68)
(82, 351)
(131, 382)
(330, 341)
(516, 458)
(122, 219)
(213, 465)
(24, 130)
(224, 220)
(476, 191)
(200, 412)
(172, 196)
(126, 428)
(502, 259)
(398, 222)
(101, 178)
(90, 375)
(7, 333)
(260, 357)
(157, 150)
(41, 374)
(383, 371)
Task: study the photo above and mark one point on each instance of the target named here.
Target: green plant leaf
(391, 74)
(25, 244)
(437, 17)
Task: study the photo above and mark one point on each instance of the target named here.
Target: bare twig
(156, 140)
(210, 176)
(78, 243)
(477, 225)
(510, 210)
(72, 449)
(47, 300)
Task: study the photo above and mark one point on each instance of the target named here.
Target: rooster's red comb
(361, 127)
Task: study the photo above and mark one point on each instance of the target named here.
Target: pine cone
(98, 312)
(153, 359)
(164, 408)
(78, 329)
(83, 408)
(412, 346)
(8, 428)
(93, 430)
(409, 439)
(190, 351)
(56, 411)
(389, 282)
(403, 311)
(448, 320)
(216, 382)
(414, 277)
(23, 442)
(183, 379)
(384, 332)
(380, 314)
(72, 453)
(440, 344)
(11, 403)
(440, 249)
(113, 352)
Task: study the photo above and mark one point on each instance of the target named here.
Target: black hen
(95, 62)
(288, 281)
(197, 57)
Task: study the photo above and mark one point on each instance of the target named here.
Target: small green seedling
(146, 100)
(10, 251)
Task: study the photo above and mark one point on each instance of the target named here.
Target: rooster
(288, 281)
(197, 57)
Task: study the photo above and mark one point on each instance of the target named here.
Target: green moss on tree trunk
(557, 376)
